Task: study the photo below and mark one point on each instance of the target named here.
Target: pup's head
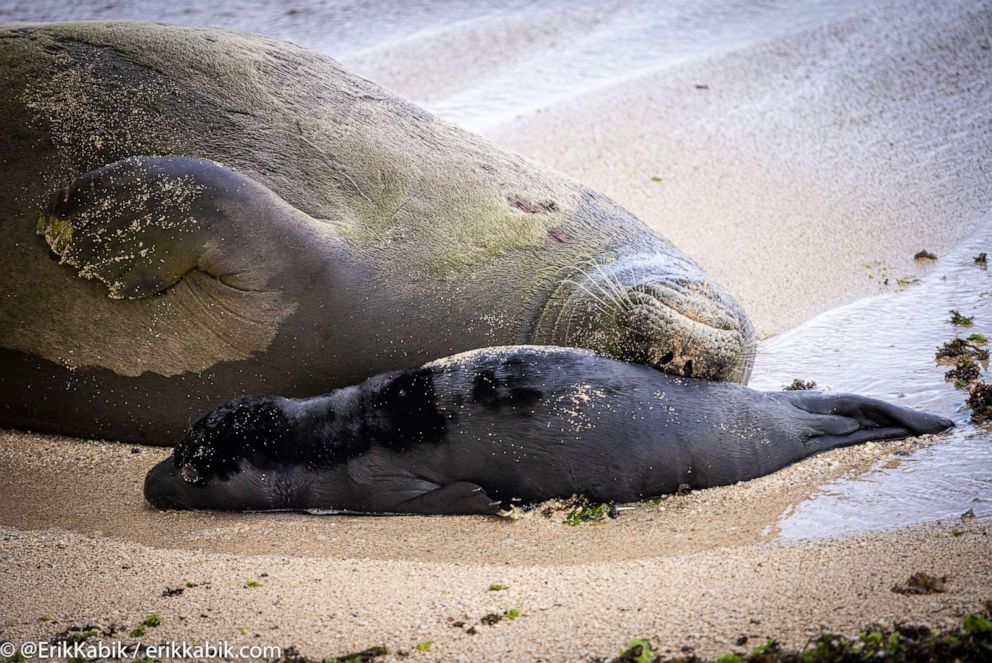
(232, 459)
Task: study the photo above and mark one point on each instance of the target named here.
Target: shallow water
(884, 347)
(524, 55)
(529, 55)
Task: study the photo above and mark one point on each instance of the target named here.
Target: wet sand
(95, 488)
(800, 171)
(810, 168)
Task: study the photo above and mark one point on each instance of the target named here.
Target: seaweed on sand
(586, 512)
(969, 643)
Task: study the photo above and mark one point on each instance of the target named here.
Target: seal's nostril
(669, 356)
(687, 369)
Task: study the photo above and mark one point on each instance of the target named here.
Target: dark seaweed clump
(965, 370)
(969, 643)
(922, 583)
(960, 347)
(961, 320)
(980, 402)
(924, 255)
(800, 385)
(968, 359)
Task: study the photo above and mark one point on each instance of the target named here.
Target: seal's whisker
(610, 296)
(569, 309)
(618, 292)
(738, 370)
(625, 291)
(608, 308)
(566, 313)
(593, 305)
(740, 367)
(596, 298)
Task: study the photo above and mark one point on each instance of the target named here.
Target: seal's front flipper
(843, 419)
(139, 225)
(461, 498)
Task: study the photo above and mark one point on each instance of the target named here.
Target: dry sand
(705, 600)
(805, 158)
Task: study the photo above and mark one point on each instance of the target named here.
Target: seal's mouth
(647, 313)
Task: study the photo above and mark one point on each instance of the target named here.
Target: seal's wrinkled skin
(190, 214)
(473, 433)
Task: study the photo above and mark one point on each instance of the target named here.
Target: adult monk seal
(231, 214)
(470, 433)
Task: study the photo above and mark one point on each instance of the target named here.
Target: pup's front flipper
(461, 498)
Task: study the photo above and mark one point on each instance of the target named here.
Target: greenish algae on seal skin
(231, 214)
(474, 433)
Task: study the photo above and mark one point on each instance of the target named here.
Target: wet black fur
(632, 449)
(248, 426)
(397, 415)
(402, 413)
(495, 394)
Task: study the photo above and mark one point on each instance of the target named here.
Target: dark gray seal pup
(471, 433)
(311, 230)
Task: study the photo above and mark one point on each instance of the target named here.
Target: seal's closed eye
(189, 474)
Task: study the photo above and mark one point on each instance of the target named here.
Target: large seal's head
(235, 458)
(656, 308)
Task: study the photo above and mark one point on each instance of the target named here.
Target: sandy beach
(801, 166)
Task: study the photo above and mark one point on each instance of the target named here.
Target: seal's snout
(688, 327)
(165, 487)
(647, 312)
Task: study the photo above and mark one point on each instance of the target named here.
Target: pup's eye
(189, 474)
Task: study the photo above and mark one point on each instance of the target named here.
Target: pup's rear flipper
(850, 419)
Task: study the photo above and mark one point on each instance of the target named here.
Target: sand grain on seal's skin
(92, 115)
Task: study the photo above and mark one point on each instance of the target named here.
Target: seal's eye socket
(189, 474)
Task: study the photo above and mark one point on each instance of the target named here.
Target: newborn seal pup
(470, 433)
(188, 215)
